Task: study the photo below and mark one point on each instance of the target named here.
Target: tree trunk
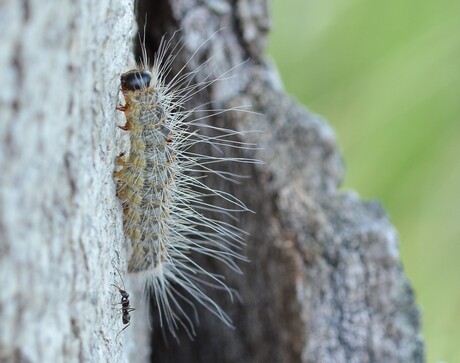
(324, 282)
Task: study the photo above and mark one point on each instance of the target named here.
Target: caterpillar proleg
(161, 184)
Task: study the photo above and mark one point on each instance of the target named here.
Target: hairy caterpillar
(162, 190)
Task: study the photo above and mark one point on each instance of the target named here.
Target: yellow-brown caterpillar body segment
(143, 181)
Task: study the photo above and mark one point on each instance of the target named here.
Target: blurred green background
(386, 75)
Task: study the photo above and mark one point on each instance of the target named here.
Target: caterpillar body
(162, 190)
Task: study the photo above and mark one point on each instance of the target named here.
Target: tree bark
(324, 282)
(60, 226)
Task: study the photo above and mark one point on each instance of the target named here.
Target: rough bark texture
(325, 282)
(60, 224)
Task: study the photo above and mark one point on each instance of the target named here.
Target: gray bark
(324, 282)
(60, 225)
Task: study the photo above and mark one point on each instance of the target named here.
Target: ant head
(120, 290)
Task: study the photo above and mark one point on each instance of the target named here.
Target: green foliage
(386, 75)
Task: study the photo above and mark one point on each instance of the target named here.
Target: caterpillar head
(135, 80)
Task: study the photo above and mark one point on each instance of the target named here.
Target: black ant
(125, 305)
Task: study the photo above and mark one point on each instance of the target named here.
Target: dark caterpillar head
(135, 80)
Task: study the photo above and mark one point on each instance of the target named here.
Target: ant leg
(122, 330)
